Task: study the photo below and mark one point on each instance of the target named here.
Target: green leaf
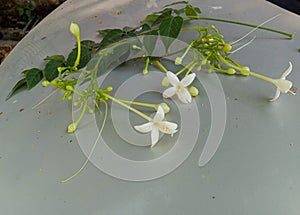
(127, 29)
(170, 29)
(50, 71)
(197, 9)
(33, 77)
(180, 11)
(104, 32)
(111, 37)
(20, 84)
(175, 3)
(150, 18)
(145, 27)
(165, 15)
(88, 43)
(191, 11)
(59, 58)
(85, 57)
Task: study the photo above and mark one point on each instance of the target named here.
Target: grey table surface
(256, 170)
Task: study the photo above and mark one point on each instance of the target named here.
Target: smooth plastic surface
(254, 171)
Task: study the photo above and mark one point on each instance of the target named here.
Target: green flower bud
(76, 104)
(199, 67)
(91, 111)
(178, 61)
(72, 127)
(145, 71)
(69, 88)
(165, 107)
(54, 82)
(245, 70)
(64, 97)
(61, 69)
(203, 61)
(74, 29)
(207, 53)
(70, 97)
(109, 88)
(227, 48)
(193, 91)
(165, 82)
(46, 83)
(136, 47)
(230, 71)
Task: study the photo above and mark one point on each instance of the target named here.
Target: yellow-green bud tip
(46, 83)
(227, 48)
(60, 69)
(72, 127)
(136, 47)
(245, 70)
(230, 71)
(165, 107)
(193, 91)
(109, 88)
(69, 87)
(74, 29)
(178, 61)
(145, 71)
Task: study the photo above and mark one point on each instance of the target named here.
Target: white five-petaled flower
(157, 124)
(151, 3)
(283, 85)
(179, 87)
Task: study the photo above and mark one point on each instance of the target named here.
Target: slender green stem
(138, 103)
(78, 52)
(82, 113)
(187, 49)
(190, 69)
(127, 106)
(218, 69)
(161, 66)
(244, 24)
(184, 68)
(261, 77)
(145, 71)
(228, 64)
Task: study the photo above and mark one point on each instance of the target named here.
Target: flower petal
(144, 128)
(154, 136)
(187, 80)
(277, 94)
(169, 92)
(287, 72)
(160, 114)
(173, 79)
(184, 95)
(283, 85)
(168, 127)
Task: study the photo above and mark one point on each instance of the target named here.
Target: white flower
(283, 85)
(157, 124)
(179, 87)
(151, 3)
